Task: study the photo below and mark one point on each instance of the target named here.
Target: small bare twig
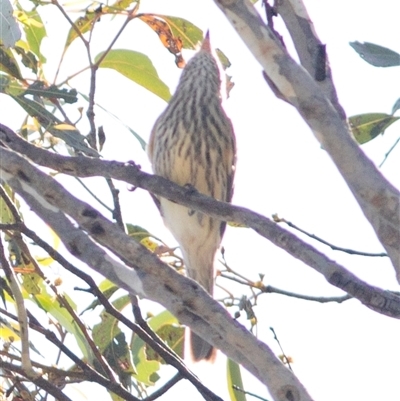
(91, 193)
(117, 214)
(248, 393)
(286, 359)
(163, 389)
(333, 247)
(389, 152)
(22, 317)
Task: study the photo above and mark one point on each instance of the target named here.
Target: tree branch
(373, 297)
(378, 199)
(22, 317)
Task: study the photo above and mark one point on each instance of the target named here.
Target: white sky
(346, 351)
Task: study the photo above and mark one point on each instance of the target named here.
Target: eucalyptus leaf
(34, 30)
(376, 55)
(8, 64)
(138, 68)
(38, 88)
(234, 378)
(189, 33)
(28, 59)
(366, 127)
(71, 136)
(9, 29)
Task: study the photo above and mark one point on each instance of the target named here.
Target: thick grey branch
(378, 199)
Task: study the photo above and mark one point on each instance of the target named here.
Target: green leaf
(34, 29)
(104, 332)
(173, 336)
(376, 55)
(84, 24)
(8, 64)
(10, 86)
(38, 89)
(139, 233)
(118, 5)
(138, 68)
(7, 330)
(234, 378)
(146, 368)
(107, 285)
(4, 83)
(189, 33)
(6, 217)
(63, 317)
(366, 127)
(28, 59)
(112, 344)
(31, 283)
(163, 318)
(118, 357)
(167, 327)
(224, 60)
(71, 136)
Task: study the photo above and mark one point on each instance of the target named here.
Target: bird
(193, 144)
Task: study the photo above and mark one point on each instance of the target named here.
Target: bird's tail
(201, 349)
(200, 267)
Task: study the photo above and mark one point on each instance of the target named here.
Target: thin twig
(271, 289)
(74, 27)
(163, 389)
(21, 312)
(280, 346)
(389, 151)
(248, 393)
(94, 195)
(117, 214)
(333, 247)
(94, 66)
(66, 80)
(131, 15)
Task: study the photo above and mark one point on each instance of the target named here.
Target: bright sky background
(341, 352)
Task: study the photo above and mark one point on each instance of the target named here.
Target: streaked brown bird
(193, 143)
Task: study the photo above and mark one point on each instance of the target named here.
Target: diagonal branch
(378, 199)
(373, 297)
